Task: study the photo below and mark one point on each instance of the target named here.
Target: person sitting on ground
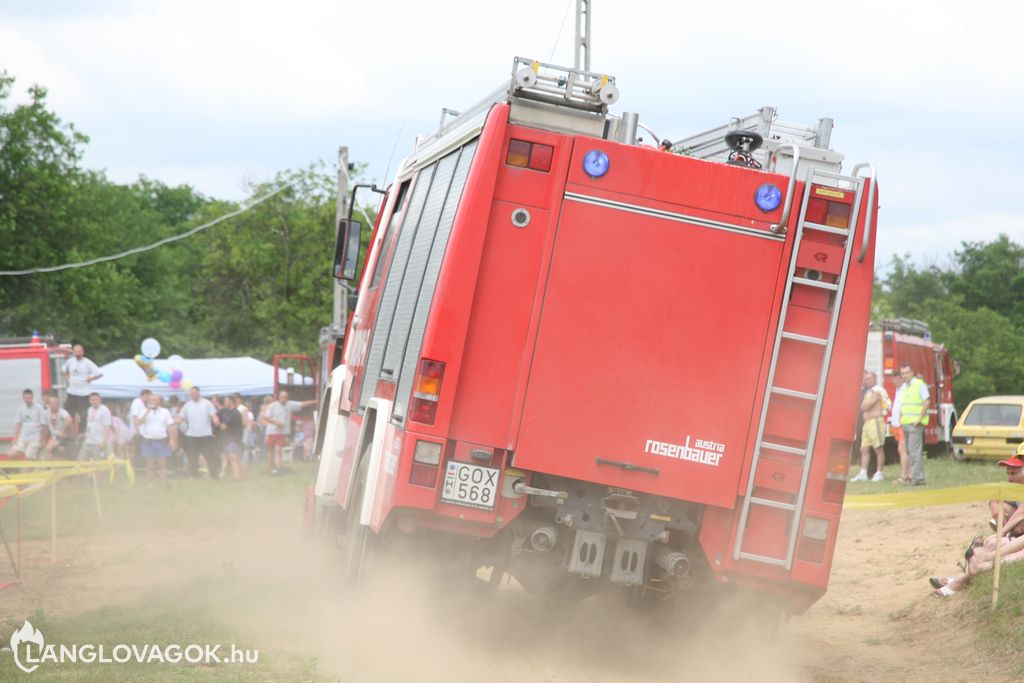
(1013, 512)
(981, 555)
(58, 430)
(982, 559)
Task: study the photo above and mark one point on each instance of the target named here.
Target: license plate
(470, 485)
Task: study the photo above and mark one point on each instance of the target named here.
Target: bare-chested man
(872, 435)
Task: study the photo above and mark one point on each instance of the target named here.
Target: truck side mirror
(346, 249)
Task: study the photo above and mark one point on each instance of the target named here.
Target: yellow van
(991, 428)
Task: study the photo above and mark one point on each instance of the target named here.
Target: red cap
(1015, 461)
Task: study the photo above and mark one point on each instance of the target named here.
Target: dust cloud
(410, 622)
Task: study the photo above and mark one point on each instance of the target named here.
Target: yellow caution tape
(930, 497)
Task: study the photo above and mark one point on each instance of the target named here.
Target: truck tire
(360, 540)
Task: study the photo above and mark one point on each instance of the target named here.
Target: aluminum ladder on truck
(801, 283)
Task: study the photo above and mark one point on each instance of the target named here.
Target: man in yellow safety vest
(914, 403)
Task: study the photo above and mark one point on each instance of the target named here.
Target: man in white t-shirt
(28, 427)
(198, 418)
(58, 430)
(79, 371)
(99, 429)
(278, 418)
(138, 407)
(156, 428)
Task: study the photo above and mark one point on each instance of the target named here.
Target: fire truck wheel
(359, 540)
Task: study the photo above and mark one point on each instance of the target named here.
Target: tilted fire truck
(597, 362)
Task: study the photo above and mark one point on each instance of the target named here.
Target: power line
(561, 26)
(154, 245)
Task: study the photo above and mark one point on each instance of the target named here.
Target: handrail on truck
(871, 208)
(780, 227)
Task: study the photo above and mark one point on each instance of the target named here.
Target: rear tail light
(812, 543)
(838, 469)
(425, 460)
(427, 391)
(540, 157)
(532, 155)
(825, 212)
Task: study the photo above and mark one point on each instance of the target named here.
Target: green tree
(992, 276)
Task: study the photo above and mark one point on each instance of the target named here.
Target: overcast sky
(216, 93)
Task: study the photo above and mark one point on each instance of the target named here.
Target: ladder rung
(816, 283)
(767, 502)
(804, 338)
(783, 449)
(826, 228)
(762, 558)
(795, 394)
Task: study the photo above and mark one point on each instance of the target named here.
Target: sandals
(938, 582)
(902, 480)
(978, 540)
(945, 592)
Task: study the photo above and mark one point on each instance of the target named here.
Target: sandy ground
(878, 622)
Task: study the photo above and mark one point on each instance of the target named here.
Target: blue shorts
(155, 448)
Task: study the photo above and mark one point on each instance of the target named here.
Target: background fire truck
(901, 340)
(28, 363)
(591, 363)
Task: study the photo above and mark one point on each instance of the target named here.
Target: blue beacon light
(595, 163)
(768, 197)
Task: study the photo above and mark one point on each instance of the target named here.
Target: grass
(941, 472)
(178, 502)
(182, 612)
(999, 629)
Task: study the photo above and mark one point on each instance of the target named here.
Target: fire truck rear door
(652, 335)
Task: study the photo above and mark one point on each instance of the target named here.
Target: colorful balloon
(186, 384)
(150, 347)
(175, 358)
(175, 384)
(146, 365)
(176, 375)
(163, 376)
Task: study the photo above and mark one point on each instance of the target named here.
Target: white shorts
(30, 449)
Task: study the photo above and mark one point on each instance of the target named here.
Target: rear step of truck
(796, 378)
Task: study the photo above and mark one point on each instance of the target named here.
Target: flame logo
(27, 634)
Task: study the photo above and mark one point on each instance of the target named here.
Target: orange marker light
(518, 153)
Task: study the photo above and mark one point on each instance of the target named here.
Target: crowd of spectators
(184, 436)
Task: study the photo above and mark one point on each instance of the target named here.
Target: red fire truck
(28, 363)
(893, 342)
(599, 363)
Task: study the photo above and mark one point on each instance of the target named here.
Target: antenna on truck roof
(582, 54)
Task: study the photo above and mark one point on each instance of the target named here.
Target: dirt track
(878, 621)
